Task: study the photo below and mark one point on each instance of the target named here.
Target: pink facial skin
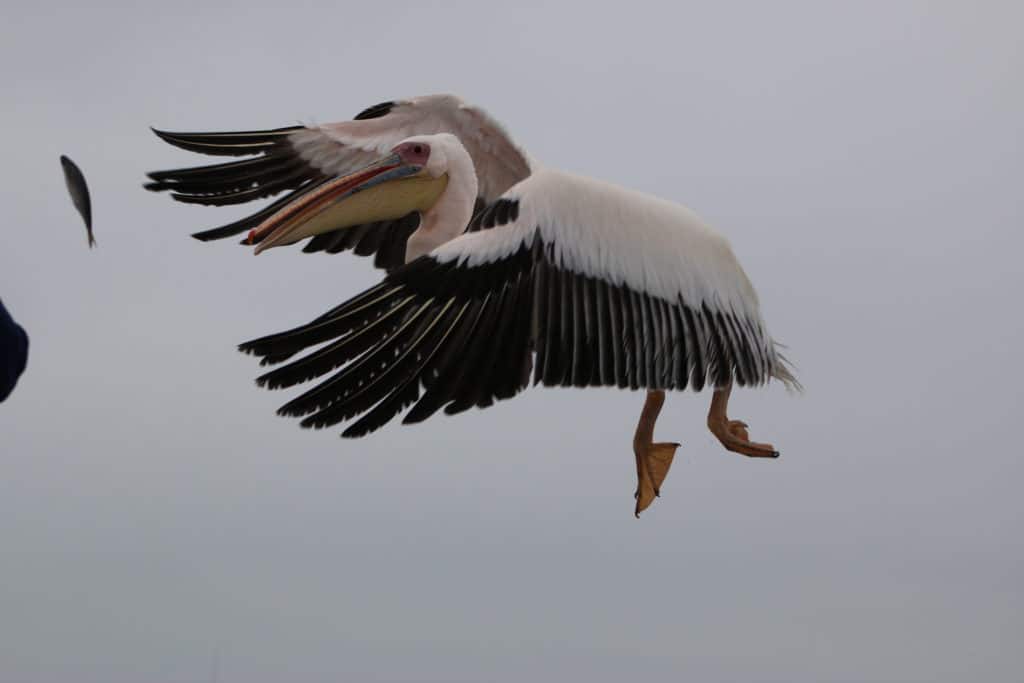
(413, 152)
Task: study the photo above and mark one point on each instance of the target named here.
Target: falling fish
(79, 192)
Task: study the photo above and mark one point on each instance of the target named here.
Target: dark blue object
(13, 352)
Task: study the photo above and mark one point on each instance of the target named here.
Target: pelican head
(431, 174)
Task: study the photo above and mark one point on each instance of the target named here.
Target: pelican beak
(387, 189)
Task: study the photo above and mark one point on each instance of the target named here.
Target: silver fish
(79, 192)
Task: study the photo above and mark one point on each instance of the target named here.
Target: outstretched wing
(584, 283)
(299, 158)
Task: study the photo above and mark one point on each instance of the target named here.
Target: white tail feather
(783, 369)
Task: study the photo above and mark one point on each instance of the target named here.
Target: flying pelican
(498, 268)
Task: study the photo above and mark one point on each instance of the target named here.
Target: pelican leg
(652, 459)
(733, 433)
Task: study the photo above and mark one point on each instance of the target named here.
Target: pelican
(498, 268)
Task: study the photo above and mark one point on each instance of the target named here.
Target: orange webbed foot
(652, 464)
(734, 436)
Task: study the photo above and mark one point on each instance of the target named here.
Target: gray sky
(866, 161)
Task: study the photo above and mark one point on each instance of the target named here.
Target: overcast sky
(159, 523)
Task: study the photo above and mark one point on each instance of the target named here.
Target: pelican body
(499, 271)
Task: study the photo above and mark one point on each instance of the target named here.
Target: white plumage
(577, 281)
(623, 236)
